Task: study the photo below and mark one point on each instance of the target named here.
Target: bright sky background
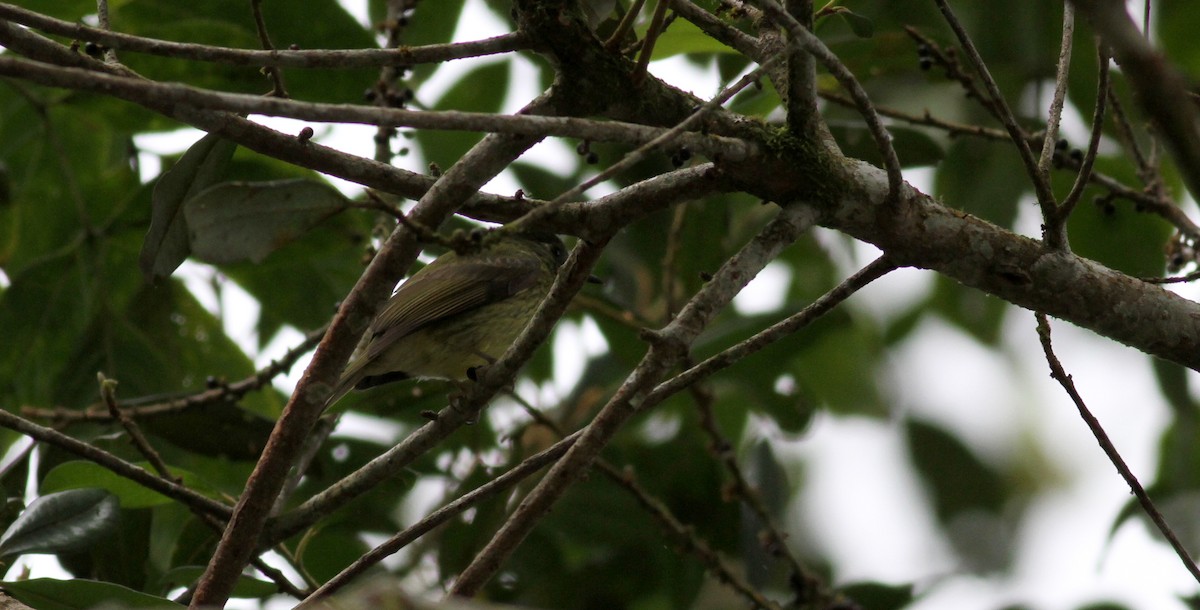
(862, 503)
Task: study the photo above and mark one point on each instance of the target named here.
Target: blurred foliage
(81, 192)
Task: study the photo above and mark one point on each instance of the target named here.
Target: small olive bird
(457, 313)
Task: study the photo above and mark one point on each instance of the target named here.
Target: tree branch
(312, 58)
(1041, 184)
(118, 466)
(1059, 374)
(1020, 270)
(1054, 116)
(154, 95)
(1162, 89)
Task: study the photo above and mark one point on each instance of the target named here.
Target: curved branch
(120, 467)
(1054, 116)
(226, 392)
(183, 98)
(323, 58)
(1163, 92)
(1019, 270)
(1041, 183)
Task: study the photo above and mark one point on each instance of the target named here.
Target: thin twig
(927, 119)
(1151, 201)
(312, 446)
(1162, 89)
(719, 30)
(883, 140)
(1060, 375)
(1050, 140)
(1041, 186)
(682, 535)
(1089, 157)
(656, 27)
(1182, 279)
(108, 392)
(118, 466)
(515, 475)
(803, 117)
(808, 586)
(734, 354)
(670, 257)
(154, 94)
(224, 393)
(307, 58)
(1146, 171)
(614, 41)
(635, 156)
(110, 55)
(685, 537)
(264, 38)
(954, 71)
(385, 91)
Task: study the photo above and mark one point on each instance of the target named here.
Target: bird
(459, 312)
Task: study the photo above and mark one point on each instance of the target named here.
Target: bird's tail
(350, 378)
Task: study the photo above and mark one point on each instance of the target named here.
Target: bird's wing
(441, 291)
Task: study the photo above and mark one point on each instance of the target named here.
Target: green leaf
(977, 177)
(684, 37)
(913, 146)
(1119, 237)
(1179, 456)
(323, 267)
(166, 244)
(967, 494)
(63, 522)
(862, 27)
(878, 596)
(331, 549)
(82, 474)
(322, 24)
(754, 387)
(960, 481)
(1173, 383)
(230, 431)
(246, 586)
(163, 341)
(39, 312)
(71, 174)
(80, 594)
(829, 364)
(87, 475)
(979, 314)
(238, 221)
